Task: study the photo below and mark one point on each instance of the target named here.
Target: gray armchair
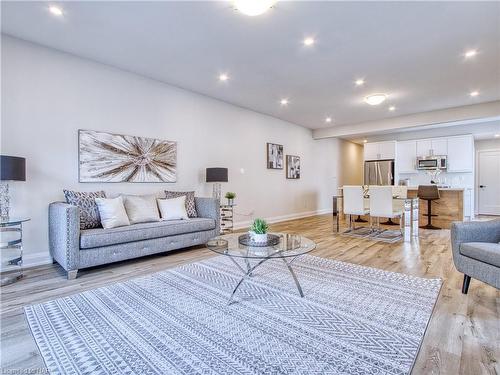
(476, 251)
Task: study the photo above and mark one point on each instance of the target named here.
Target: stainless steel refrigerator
(379, 172)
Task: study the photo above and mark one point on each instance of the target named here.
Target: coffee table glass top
(290, 245)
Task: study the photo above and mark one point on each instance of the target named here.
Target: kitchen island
(448, 208)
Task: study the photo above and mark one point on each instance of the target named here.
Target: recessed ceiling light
(56, 11)
(470, 53)
(392, 108)
(375, 99)
(474, 93)
(253, 7)
(223, 77)
(328, 119)
(359, 82)
(497, 135)
(364, 140)
(309, 41)
(284, 101)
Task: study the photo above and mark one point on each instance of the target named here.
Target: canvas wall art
(107, 157)
(274, 156)
(292, 167)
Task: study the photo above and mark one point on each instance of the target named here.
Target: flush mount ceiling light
(375, 99)
(470, 53)
(359, 82)
(284, 101)
(223, 77)
(474, 93)
(56, 11)
(309, 41)
(328, 119)
(253, 7)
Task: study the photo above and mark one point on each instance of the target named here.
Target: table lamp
(216, 175)
(12, 168)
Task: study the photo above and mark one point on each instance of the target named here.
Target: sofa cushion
(483, 251)
(85, 201)
(92, 238)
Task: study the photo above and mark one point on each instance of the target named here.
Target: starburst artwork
(106, 157)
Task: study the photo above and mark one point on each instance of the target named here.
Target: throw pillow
(85, 201)
(173, 209)
(141, 208)
(112, 212)
(190, 203)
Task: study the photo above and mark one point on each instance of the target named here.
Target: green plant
(230, 195)
(259, 226)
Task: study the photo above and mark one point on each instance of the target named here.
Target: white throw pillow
(173, 209)
(141, 208)
(112, 212)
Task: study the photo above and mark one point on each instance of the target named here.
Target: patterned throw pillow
(85, 201)
(190, 204)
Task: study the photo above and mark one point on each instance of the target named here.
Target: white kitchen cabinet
(435, 146)
(406, 157)
(461, 154)
(380, 150)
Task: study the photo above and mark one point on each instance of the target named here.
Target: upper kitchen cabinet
(435, 146)
(380, 150)
(461, 154)
(406, 156)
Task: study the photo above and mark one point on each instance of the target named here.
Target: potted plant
(258, 230)
(230, 197)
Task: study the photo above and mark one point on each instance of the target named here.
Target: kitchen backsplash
(458, 180)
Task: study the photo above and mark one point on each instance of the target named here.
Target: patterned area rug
(352, 320)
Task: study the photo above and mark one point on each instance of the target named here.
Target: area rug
(352, 320)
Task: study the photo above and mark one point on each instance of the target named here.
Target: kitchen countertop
(439, 188)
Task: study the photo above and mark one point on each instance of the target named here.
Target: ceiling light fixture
(470, 53)
(365, 140)
(309, 41)
(497, 135)
(375, 99)
(253, 7)
(392, 108)
(474, 93)
(284, 101)
(359, 82)
(56, 11)
(328, 119)
(223, 77)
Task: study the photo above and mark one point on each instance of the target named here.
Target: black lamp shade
(216, 174)
(12, 168)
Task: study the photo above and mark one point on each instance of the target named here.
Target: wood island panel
(449, 208)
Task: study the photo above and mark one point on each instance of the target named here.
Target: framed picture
(107, 157)
(274, 156)
(292, 167)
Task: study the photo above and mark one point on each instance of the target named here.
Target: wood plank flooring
(463, 336)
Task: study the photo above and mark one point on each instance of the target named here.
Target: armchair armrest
(474, 231)
(209, 208)
(64, 234)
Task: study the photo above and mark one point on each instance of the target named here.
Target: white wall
(48, 95)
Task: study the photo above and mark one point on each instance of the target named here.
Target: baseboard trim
(279, 219)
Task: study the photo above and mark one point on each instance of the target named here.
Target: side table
(226, 218)
(11, 246)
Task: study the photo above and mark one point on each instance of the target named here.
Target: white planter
(259, 237)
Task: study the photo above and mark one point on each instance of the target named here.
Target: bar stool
(428, 193)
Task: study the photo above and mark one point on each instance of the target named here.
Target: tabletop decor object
(216, 175)
(258, 230)
(230, 198)
(12, 168)
(247, 240)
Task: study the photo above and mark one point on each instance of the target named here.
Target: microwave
(432, 162)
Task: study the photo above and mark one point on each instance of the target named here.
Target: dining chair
(354, 203)
(382, 205)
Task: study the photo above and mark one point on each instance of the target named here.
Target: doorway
(488, 182)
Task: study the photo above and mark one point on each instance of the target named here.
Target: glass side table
(11, 247)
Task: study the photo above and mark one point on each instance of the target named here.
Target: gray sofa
(74, 249)
(476, 251)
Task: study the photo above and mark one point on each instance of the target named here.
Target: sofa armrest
(209, 208)
(473, 231)
(64, 234)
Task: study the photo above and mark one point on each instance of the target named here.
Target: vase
(258, 237)
(230, 201)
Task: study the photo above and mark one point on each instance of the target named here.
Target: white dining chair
(354, 203)
(382, 205)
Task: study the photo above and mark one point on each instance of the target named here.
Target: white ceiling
(411, 50)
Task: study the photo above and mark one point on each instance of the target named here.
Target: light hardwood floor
(463, 336)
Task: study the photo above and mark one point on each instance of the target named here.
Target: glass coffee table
(287, 248)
